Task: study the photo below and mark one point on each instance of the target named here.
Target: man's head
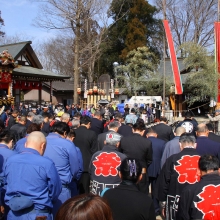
(65, 118)
(46, 116)
(132, 110)
(77, 115)
(37, 141)
(202, 130)
(151, 133)
(113, 139)
(188, 115)
(85, 121)
(7, 138)
(23, 120)
(15, 113)
(208, 164)
(217, 112)
(210, 127)
(118, 117)
(45, 108)
(163, 120)
(38, 119)
(180, 130)
(139, 127)
(75, 123)
(187, 140)
(61, 128)
(30, 116)
(71, 135)
(97, 115)
(114, 126)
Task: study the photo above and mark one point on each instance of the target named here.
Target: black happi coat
(103, 169)
(201, 200)
(178, 171)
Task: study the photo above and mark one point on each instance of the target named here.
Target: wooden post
(51, 91)
(40, 95)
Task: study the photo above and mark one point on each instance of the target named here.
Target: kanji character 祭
(106, 164)
(187, 169)
(210, 202)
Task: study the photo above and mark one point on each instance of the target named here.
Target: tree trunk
(76, 58)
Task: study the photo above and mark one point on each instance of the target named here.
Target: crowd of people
(76, 163)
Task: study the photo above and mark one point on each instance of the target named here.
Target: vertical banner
(51, 91)
(217, 56)
(85, 89)
(175, 67)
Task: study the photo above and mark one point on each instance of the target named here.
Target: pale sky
(18, 17)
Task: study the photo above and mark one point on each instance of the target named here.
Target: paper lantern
(103, 92)
(90, 92)
(79, 91)
(116, 91)
(95, 89)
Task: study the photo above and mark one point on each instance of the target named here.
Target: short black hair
(84, 120)
(210, 127)
(163, 119)
(60, 128)
(140, 126)
(6, 136)
(46, 115)
(133, 110)
(130, 169)
(208, 162)
(71, 133)
(188, 114)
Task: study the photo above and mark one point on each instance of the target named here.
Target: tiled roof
(169, 70)
(67, 85)
(27, 71)
(17, 49)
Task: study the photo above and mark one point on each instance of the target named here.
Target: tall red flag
(175, 67)
(217, 55)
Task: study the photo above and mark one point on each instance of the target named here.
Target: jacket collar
(131, 186)
(109, 147)
(54, 135)
(4, 146)
(30, 151)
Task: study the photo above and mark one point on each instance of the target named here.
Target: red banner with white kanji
(175, 67)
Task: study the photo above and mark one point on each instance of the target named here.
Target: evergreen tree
(202, 81)
(139, 68)
(133, 26)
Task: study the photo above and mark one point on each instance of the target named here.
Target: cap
(113, 137)
(59, 114)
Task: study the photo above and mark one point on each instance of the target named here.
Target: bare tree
(56, 55)
(1, 24)
(73, 17)
(191, 20)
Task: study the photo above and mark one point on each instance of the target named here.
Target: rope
(184, 110)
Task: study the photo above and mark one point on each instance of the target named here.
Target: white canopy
(143, 100)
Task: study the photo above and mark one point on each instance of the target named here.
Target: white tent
(143, 100)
